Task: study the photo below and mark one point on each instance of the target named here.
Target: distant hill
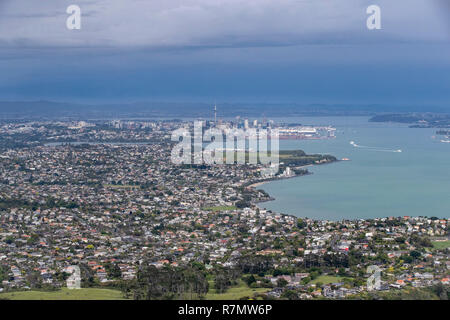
(425, 120)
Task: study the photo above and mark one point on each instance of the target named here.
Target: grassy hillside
(233, 293)
(65, 294)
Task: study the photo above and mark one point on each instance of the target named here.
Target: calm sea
(377, 182)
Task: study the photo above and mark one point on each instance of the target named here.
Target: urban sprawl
(104, 196)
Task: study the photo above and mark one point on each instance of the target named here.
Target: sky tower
(215, 114)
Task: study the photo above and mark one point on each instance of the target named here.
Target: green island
(416, 120)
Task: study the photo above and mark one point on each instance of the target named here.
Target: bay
(377, 182)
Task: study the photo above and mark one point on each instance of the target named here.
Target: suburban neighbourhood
(104, 196)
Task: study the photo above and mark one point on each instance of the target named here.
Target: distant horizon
(35, 109)
(237, 101)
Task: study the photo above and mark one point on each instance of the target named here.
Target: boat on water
(445, 141)
(353, 143)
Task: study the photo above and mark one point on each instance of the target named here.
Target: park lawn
(233, 293)
(65, 294)
(441, 244)
(325, 279)
(285, 156)
(220, 208)
(246, 158)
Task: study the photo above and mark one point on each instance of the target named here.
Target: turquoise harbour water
(377, 182)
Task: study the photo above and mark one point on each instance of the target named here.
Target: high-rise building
(246, 124)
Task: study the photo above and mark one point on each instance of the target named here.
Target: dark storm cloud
(194, 23)
(313, 50)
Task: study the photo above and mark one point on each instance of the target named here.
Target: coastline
(257, 184)
(271, 198)
(262, 182)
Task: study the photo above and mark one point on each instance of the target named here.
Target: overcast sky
(230, 50)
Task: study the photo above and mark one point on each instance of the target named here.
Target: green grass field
(441, 244)
(233, 293)
(327, 279)
(65, 294)
(220, 208)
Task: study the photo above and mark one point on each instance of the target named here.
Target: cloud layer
(302, 50)
(218, 23)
